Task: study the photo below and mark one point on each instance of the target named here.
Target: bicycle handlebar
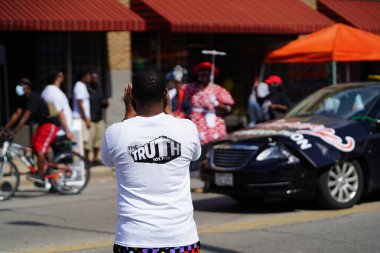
(65, 142)
(6, 135)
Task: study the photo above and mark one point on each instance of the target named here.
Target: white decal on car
(298, 138)
(328, 135)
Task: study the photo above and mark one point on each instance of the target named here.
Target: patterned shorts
(193, 248)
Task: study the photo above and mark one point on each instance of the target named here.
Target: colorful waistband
(193, 248)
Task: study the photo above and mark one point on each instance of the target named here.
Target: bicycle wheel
(9, 179)
(71, 173)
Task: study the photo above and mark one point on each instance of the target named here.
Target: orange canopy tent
(338, 42)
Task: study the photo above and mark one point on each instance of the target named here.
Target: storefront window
(71, 53)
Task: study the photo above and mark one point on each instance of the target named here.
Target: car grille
(231, 156)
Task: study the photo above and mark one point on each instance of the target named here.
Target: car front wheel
(341, 186)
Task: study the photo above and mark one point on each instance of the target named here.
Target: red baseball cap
(273, 79)
(205, 66)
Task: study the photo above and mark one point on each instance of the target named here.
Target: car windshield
(346, 103)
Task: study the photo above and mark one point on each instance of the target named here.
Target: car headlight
(276, 152)
(271, 153)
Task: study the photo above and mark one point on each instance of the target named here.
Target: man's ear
(164, 95)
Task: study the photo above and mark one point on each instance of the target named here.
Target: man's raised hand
(129, 110)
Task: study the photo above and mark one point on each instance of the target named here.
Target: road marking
(233, 227)
(286, 220)
(70, 248)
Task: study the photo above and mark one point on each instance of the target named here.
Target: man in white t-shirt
(81, 105)
(151, 151)
(54, 96)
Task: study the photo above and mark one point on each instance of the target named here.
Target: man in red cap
(279, 101)
(207, 99)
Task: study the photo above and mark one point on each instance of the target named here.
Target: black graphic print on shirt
(159, 150)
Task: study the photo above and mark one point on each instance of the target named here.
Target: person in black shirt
(279, 101)
(98, 102)
(33, 107)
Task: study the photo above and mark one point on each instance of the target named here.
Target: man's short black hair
(148, 85)
(53, 76)
(83, 73)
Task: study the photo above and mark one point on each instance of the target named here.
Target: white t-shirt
(262, 90)
(54, 95)
(151, 156)
(81, 93)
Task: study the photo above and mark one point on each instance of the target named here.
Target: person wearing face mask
(279, 103)
(98, 102)
(34, 107)
(207, 100)
(179, 102)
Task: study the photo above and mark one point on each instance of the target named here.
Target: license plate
(224, 179)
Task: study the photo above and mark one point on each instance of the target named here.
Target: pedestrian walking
(151, 151)
(81, 104)
(98, 102)
(208, 101)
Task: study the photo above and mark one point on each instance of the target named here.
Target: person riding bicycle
(32, 106)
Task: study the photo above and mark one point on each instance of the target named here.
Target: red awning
(231, 16)
(361, 14)
(68, 15)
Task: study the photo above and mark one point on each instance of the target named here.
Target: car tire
(248, 200)
(341, 186)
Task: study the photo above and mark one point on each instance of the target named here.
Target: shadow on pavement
(225, 204)
(372, 197)
(40, 224)
(216, 249)
(30, 193)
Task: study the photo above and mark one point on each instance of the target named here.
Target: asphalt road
(35, 221)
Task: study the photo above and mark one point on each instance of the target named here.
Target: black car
(328, 146)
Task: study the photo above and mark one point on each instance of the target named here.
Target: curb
(104, 172)
(98, 172)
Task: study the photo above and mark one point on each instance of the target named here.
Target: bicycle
(68, 172)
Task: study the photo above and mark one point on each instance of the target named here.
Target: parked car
(328, 147)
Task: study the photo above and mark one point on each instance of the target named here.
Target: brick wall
(119, 50)
(120, 70)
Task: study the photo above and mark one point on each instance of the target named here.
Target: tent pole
(334, 81)
(212, 75)
(348, 73)
(262, 72)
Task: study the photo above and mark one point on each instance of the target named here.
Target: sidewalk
(96, 172)
(103, 172)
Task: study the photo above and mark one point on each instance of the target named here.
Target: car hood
(323, 140)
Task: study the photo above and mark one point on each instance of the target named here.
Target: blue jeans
(254, 111)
